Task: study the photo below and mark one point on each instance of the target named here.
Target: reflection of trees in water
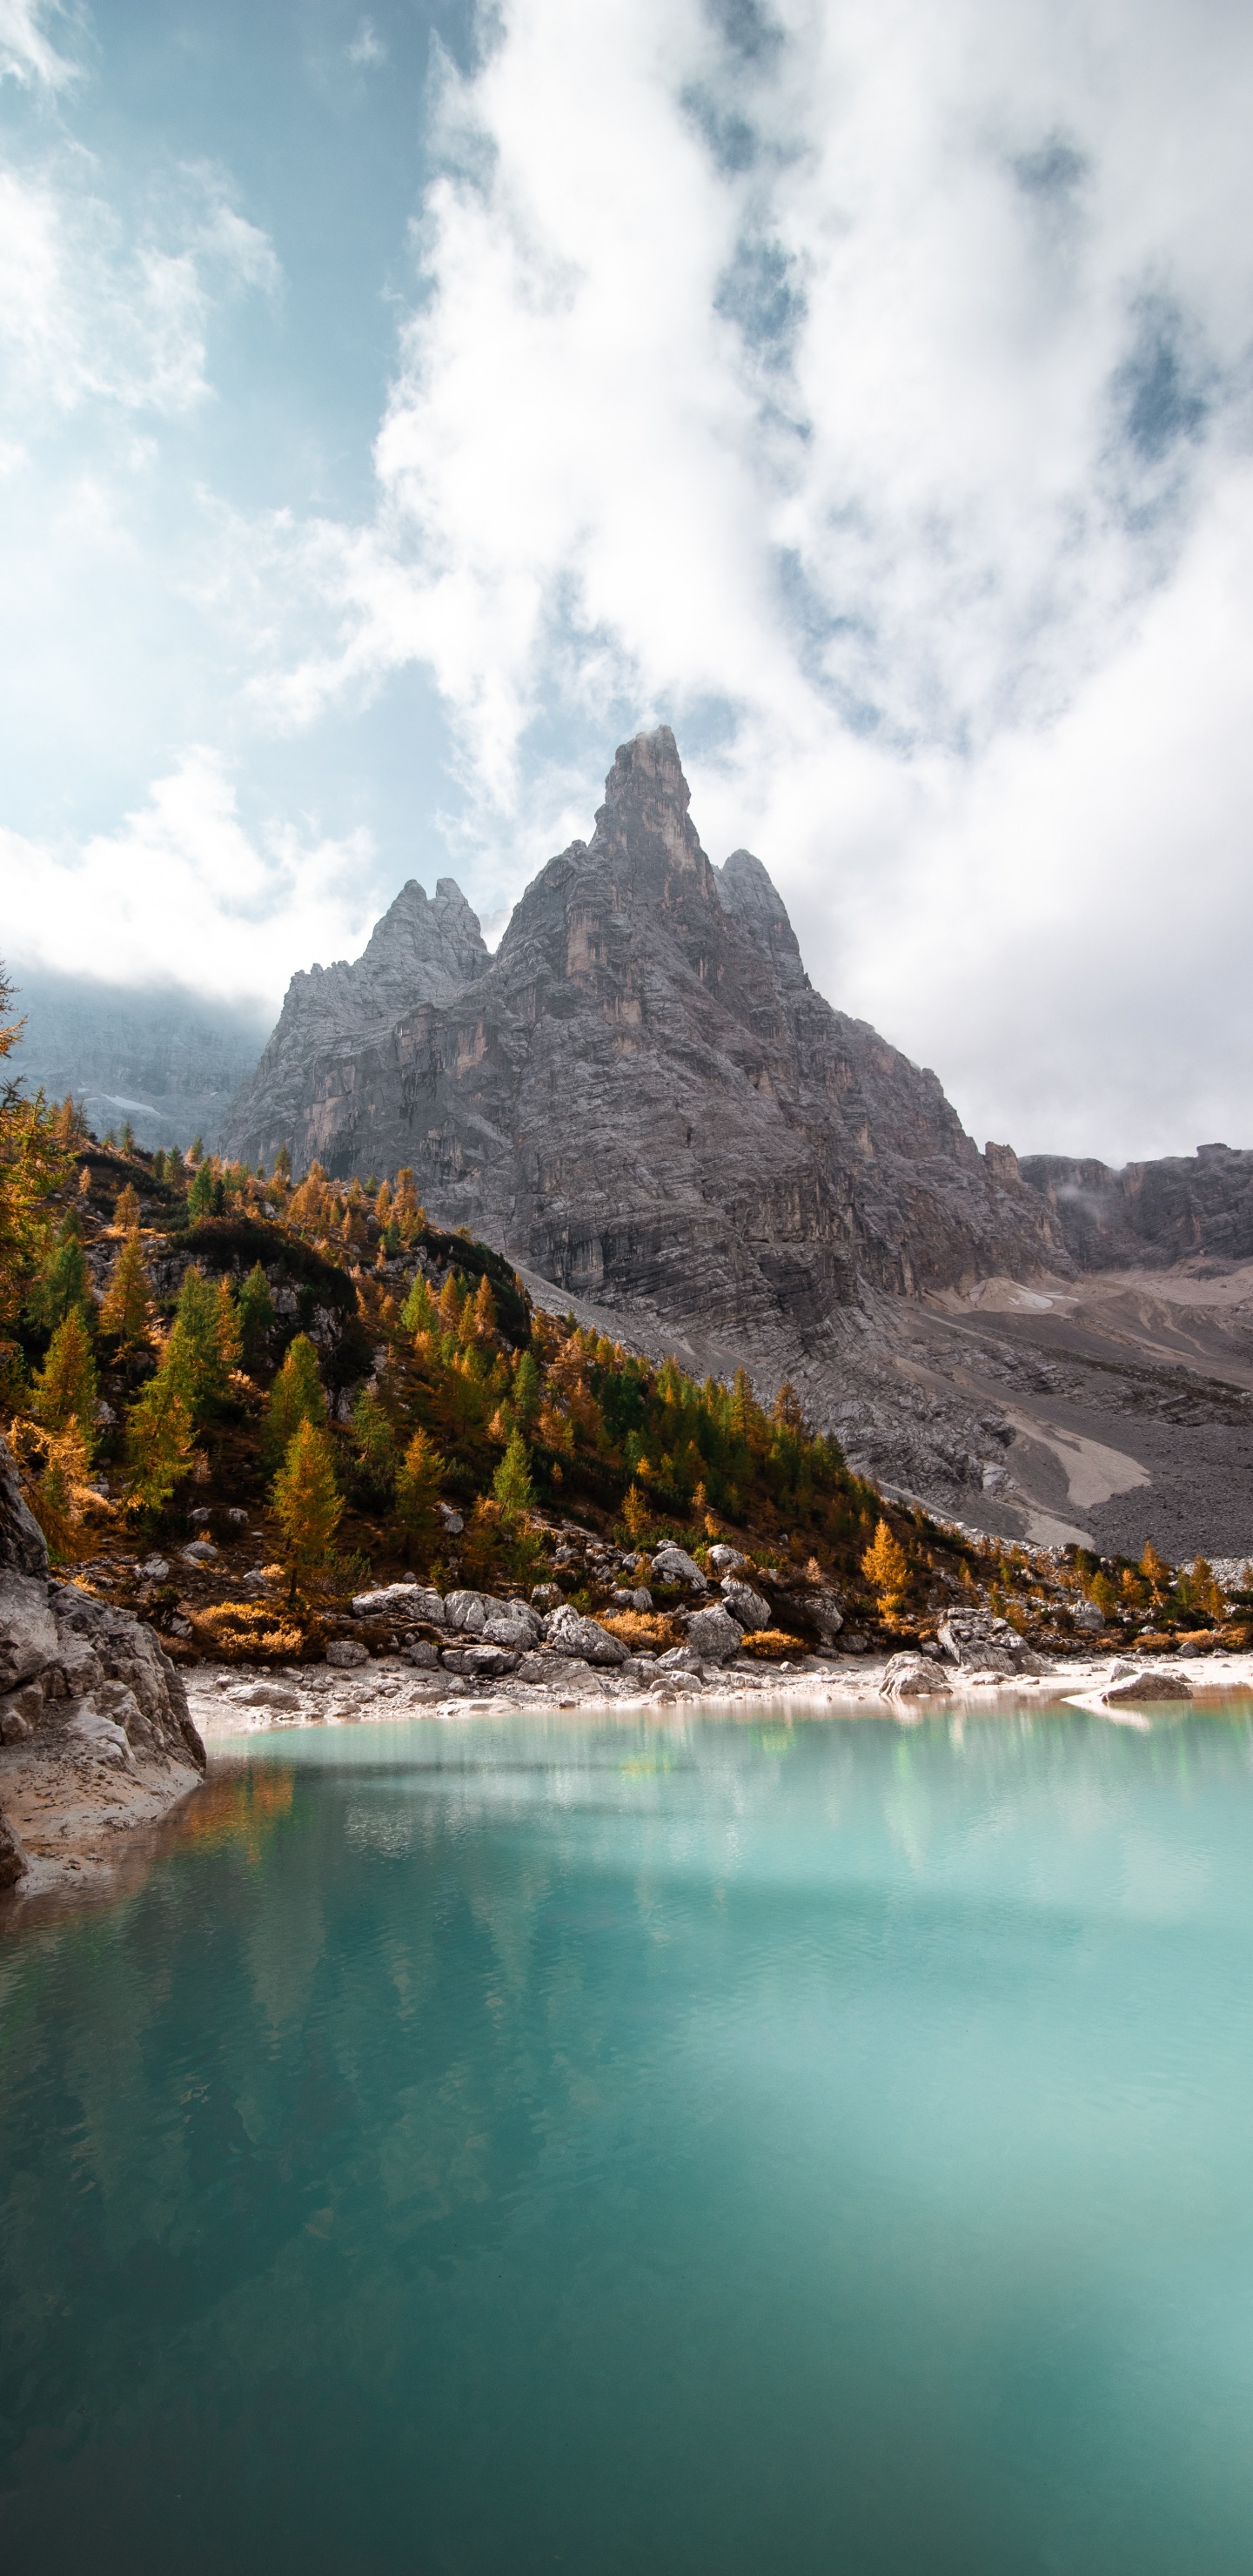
(361, 2019)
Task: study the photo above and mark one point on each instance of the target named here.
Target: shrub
(773, 1645)
(248, 1632)
(646, 1632)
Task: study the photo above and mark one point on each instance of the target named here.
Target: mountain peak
(644, 819)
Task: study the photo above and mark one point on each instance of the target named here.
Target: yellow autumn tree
(126, 1308)
(886, 1569)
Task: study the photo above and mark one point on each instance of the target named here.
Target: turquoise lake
(621, 2147)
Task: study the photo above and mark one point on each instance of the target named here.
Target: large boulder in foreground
(95, 1731)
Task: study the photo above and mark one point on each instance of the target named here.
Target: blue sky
(399, 407)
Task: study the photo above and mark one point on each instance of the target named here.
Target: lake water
(617, 2147)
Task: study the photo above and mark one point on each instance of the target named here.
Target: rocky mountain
(641, 1094)
(643, 1101)
(169, 1061)
(1150, 1215)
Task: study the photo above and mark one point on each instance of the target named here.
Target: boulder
(421, 1652)
(452, 1520)
(714, 1635)
(751, 1609)
(545, 1596)
(1088, 1618)
(201, 1552)
(911, 1676)
(13, 1860)
(400, 1601)
(513, 1624)
(488, 1663)
(347, 1654)
(468, 1610)
(1127, 1690)
(674, 1565)
(726, 1560)
(23, 1547)
(28, 1637)
(574, 1634)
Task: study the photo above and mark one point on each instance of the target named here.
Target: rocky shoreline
(228, 1703)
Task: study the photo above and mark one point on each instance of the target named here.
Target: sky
(398, 410)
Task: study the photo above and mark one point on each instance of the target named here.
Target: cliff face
(642, 1098)
(1150, 1215)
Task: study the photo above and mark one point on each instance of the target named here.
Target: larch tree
(66, 1392)
(416, 1499)
(307, 1502)
(126, 1307)
(511, 1483)
(296, 1396)
(886, 1569)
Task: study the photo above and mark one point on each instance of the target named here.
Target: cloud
(95, 309)
(862, 390)
(367, 47)
(184, 890)
(26, 54)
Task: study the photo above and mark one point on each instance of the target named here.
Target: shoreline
(228, 1702)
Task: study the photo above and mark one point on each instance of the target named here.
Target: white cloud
(95, 309)
(367, 47)
(878, 377)
(183, 889)
(26, 54)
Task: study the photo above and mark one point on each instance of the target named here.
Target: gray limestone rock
(28, 1637)
(673, 1565)
(511, 1623)
(714, 1635)
(750, 1608)
(347, 1654)
(574, 1634)
(400, 1601)
(911, 1676)
(1124, 1692)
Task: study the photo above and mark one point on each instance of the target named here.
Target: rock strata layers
(95, 1731)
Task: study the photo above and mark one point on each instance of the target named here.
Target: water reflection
(607, 2144)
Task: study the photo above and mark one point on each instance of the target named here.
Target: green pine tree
(66, 1390)
(256, 1314)
(511, 1483)
(307, 1502)
(295, 1397)
(376, 1446)
(65, 1286)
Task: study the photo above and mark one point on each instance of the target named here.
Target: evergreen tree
(886, 1569)
(158, 1446)
(66, 1390)
(126, 1310)
(204, 1343)
(417, 1314)
(376, 1446)
(526, 1388)
(307, 1503)
(282, 1164)
(200, 1195)
(511, 1483)
(196, 1154)
(128, 1137)
(418, 1480)
(256, 1314)
(175, 1167)
(227, 1339)
(295, 1397)
(158, 1164)
(66, 1282)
